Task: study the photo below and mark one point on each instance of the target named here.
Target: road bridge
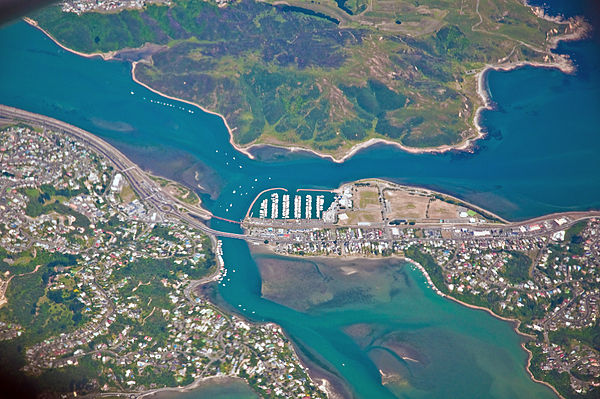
(151, 193)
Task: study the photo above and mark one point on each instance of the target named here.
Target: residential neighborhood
(94, 281)
(544, 272)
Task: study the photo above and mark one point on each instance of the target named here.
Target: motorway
(149, 191)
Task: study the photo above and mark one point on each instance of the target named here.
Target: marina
(277, 203)
(274, 206)
(297, 207)
(308, 202)
(320, 202)
(286, 206)
(263, 208)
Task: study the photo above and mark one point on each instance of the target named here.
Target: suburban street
(147, 189)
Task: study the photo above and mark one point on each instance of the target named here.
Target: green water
(467, 353)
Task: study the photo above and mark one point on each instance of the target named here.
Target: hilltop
(324, 75)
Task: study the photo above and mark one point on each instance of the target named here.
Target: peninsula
(80, 258)
(323, 76)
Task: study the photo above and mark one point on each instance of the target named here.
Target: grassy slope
(283, 76)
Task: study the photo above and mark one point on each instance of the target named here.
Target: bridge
(150, 192)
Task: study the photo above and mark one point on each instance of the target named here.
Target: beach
(560, 62)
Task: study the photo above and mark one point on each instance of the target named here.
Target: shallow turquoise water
(468, 353)
(541, 156)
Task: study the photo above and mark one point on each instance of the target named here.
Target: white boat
(263, 208)
(297, 207)
(274, 206)
(286, 206)
(320, 202)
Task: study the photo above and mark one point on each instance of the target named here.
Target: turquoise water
(465, 353)
(220, 390)
(541, 156)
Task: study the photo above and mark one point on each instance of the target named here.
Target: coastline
(561, 62)
(468, 204)
(515, 323)
(329, 383)
(229, 129)
(565, 67)
(155, 393)
(105, 56)
(325, 385)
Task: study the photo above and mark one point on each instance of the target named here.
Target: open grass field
(322, 74)
(406, 205)
(442, 210)
(366, 206)
(403, 203)
(361, 216)
(368, 197)
(127, 194)
(177, 190)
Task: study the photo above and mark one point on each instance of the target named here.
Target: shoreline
(515, 323)
(483, 211)
(194, 385)
(561, 62)
(156, 91)
(105, 56)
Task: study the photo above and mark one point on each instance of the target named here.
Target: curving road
(149, 191)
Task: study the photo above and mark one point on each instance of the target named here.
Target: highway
(165, 203)
(148, 190)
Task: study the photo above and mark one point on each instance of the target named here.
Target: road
(149, 191)
(165, 203)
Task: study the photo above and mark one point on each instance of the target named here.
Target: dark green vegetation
(561, 381)
(431, 267)
(517, 267)
(573, 237)
(322, 74)
(45, 313)
(589, 336)
(157, 269)
(44, 201)
(16, 384)
(517, 270)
